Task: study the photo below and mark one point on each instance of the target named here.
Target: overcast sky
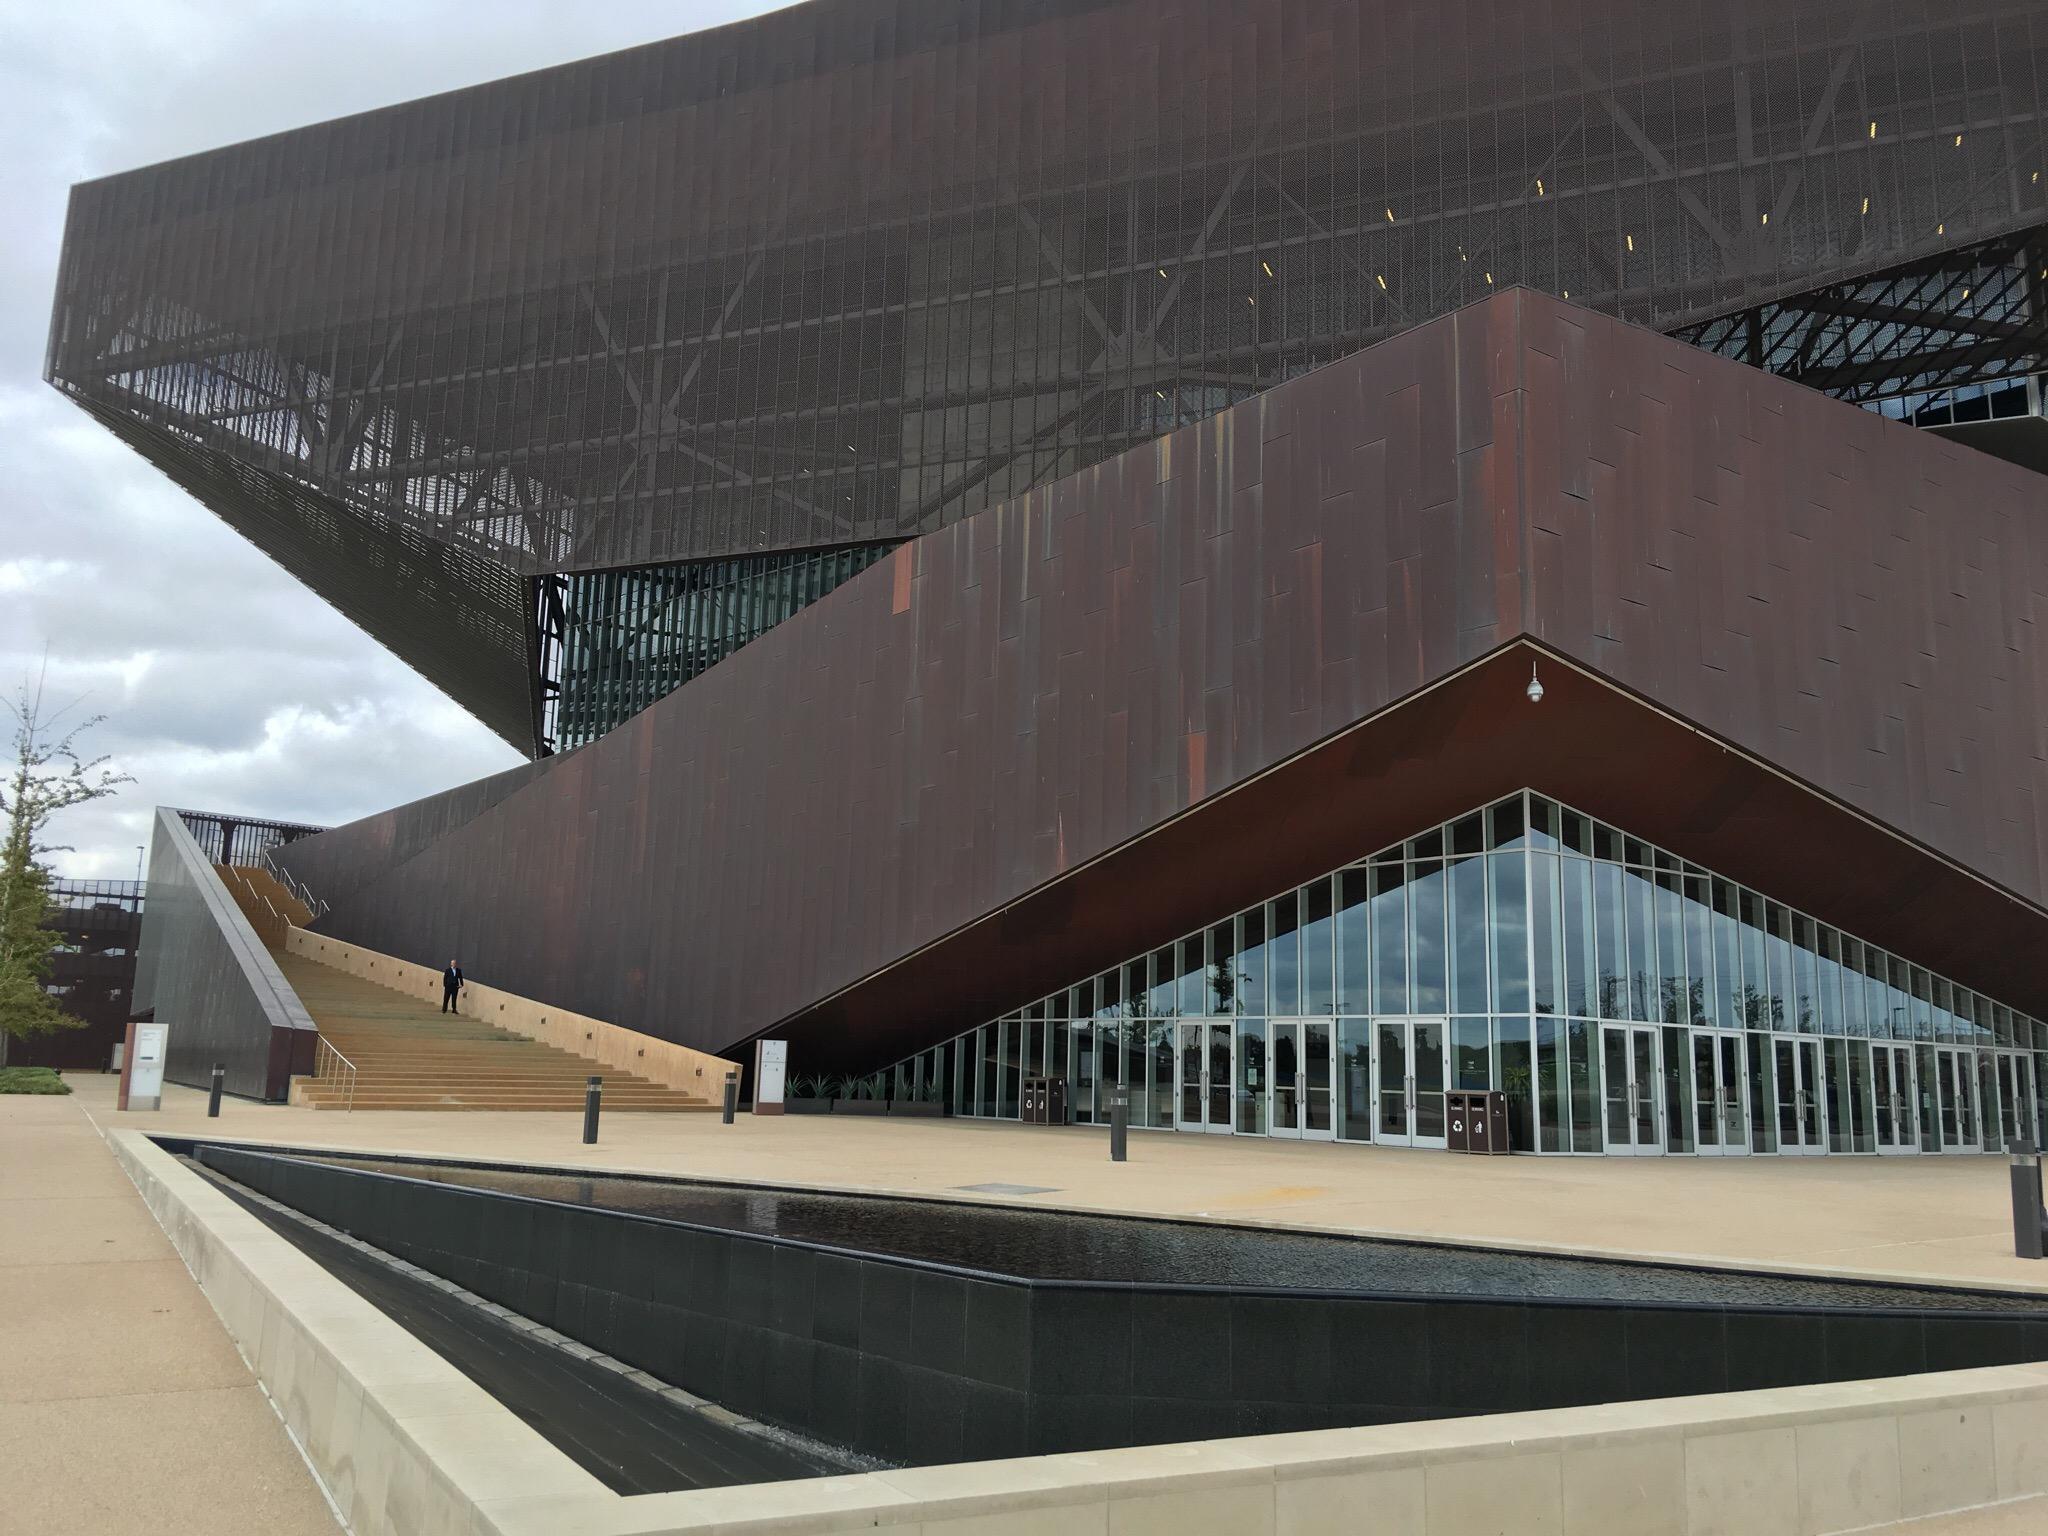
(227, 686)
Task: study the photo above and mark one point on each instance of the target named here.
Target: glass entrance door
(1299, 1053)
(1410, 1076)
(1798, 1082)
(2016, 1113)
(2014, 1086)
(1628, 1059)
(1203, 1100)
(1717, 1083)
(1955, 1085)
(1891, 1075)
(1987, 1101)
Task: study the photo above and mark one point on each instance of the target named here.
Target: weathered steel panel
(869, 783)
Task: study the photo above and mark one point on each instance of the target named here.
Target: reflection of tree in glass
(1613, 997)
(1224, 984)
(1760, 1010)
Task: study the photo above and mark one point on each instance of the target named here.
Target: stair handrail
(304, 896)
(321, 1072)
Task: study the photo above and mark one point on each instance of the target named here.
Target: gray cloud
(226, 684)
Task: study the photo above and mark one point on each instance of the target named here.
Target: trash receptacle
(1458, 1122)
(1488, 1124)
(1055, 1101)
(1477, 1122)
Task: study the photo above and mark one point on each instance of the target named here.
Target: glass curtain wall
(1625, 1001)
(632, 637)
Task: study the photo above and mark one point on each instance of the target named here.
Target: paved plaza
(1942, 1220)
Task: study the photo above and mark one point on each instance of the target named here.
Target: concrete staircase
(408, 1055)
(273, 911)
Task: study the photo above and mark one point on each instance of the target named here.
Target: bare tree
(47, 775)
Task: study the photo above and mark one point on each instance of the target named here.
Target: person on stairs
(451, 987)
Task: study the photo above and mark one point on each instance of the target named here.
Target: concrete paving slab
(83, 1230)
(87, 1330)
(125, 1409)
(157, 1464)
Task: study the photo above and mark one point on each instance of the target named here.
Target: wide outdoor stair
(273, 911)
(408, 1055)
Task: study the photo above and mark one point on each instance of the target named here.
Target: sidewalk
(124, 1408)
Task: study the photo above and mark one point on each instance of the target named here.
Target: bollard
(2028, 1219)
(732, 1095)
(1119, 1125)
(593, 1088)
(220, 1073)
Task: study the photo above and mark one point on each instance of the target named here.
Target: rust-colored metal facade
(855, 270)
(1780, 635)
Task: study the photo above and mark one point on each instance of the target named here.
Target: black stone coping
(912, 1360)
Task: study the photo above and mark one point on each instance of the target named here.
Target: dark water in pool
(1060, 1245)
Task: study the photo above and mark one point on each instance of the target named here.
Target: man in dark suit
(451, 987)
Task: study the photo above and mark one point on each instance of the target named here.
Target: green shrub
(31, 1080)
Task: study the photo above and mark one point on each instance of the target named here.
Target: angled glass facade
(1624, 1001)
(616, 641)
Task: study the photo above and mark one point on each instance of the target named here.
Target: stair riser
(409, 1056)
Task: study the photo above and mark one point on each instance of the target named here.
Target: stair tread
(408, 1053)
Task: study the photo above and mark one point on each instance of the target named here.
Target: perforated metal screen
(857, 269)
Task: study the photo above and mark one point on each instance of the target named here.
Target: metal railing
(228, 839)
(332, 1068)
(305, 897)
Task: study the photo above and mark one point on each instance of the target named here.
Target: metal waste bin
(1477, 1122)
(1044, 1101)
(1458, 1122)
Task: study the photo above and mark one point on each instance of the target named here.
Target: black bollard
(592, 1090)
(220, 1073)
(732, 1095)
(1119, 1125)
(2028, 1219)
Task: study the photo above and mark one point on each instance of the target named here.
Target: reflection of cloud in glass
(1631, 949)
